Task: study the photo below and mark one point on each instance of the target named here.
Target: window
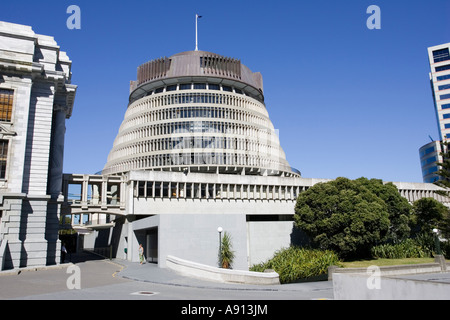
(430, 170)
(213, 87)
(430, 150)
(443, 68)
(444, 87)
(185, 86)
(427, 151)
(446, 106)
(199, 85)
(429, 160)
(445, 96)
(441, 55)
(6, 102)
(3, 158)
(446, 77)
(227, 88)
(446, 116)
(141, 188)
(171, 88)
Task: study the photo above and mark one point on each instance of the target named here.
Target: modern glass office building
(439, 59)
(430, 155)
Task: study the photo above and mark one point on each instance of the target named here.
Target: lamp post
(220, 229)
(436, 242)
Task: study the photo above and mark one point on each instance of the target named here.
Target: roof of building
(189, 66)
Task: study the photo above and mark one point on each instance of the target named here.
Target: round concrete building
(197, 111)
(196, 150)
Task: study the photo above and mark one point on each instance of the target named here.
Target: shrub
(426, 240)
(294, 263)
(408, 248)
(226, 255)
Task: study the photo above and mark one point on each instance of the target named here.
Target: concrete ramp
(204, 272)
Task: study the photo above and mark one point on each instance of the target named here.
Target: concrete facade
(199, 112)
(35, 75)
(257, 212)
(197, 151)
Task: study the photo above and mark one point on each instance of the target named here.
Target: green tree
(444, 170)
(428, 213)
(398, 207)
(344, 216)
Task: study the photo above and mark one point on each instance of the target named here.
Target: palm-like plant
(226, 255)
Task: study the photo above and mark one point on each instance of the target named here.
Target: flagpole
(196, 33)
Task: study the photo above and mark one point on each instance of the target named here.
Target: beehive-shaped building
(199, 112)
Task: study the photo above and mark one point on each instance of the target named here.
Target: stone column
(57, 153)
(55, 177)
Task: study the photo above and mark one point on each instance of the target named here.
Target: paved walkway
(120, 279)
(124, 280)
(151, 273)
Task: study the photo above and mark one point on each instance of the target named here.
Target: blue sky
(348, 101)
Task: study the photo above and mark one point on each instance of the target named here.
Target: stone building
(36, 98)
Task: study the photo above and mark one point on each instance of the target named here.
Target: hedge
(295, 263)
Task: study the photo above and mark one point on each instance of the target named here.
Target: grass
(385, 262)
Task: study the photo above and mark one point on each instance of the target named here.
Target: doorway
(152, 245)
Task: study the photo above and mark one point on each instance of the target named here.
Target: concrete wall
(193, 237)
(145, 206)
(266, 237)
(355, 287)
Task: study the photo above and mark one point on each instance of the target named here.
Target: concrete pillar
(84, 191)
(104, 192)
